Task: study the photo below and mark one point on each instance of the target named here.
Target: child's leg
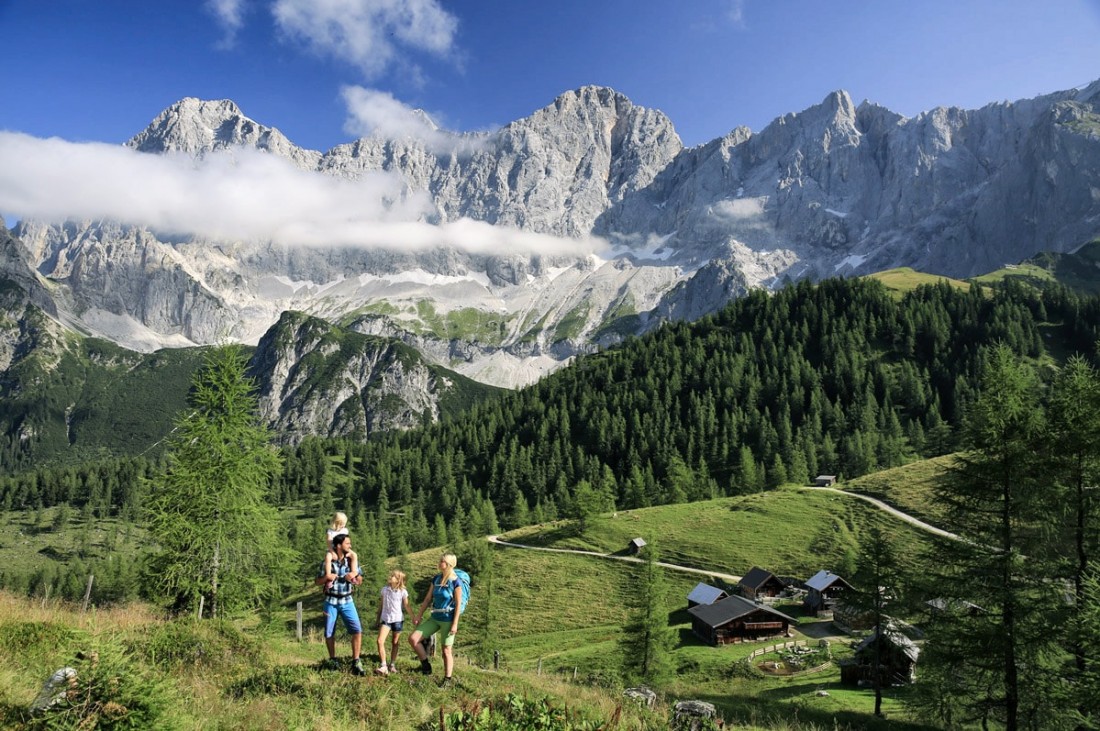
(394, 646)
(353, 563)
(383, 631)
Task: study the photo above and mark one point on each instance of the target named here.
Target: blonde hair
(396, 580)
(339, 520)
(451, 560)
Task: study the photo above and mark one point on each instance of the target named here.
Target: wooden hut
(823, 589)
(824, 480)
(897, 658)
(736, 619)
(760, 583)
(635, 546)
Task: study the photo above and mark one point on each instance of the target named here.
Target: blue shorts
(395, 626)
(346, 612)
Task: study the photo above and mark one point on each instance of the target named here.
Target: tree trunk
(1008, 612)
(214, 580)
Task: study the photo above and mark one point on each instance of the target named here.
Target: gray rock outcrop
(838, 188)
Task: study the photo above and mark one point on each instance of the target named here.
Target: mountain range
(838, 188)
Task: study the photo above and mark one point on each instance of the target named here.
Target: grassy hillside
(789, 531)
(907, 279)
(566, 611)
(908, 488)
(1079, 271)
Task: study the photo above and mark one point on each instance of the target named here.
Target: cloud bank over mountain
(245, 195)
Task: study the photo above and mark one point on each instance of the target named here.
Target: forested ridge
(838, 377)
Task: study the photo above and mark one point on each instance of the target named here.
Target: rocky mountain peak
(196, 127)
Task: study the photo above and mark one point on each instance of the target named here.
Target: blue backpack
(464, 582)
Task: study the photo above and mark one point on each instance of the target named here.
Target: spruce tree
(216, 536)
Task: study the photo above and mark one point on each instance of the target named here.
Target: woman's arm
(424, 605)
(457, 602)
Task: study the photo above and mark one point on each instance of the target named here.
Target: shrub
(108, 692)
(185, 642)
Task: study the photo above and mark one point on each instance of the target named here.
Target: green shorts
(430, 626)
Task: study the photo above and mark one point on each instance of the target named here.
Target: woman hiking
(445, 596)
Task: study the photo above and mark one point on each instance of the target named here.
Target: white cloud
(230, 15)
(244, 195)
(366, 33)
(739, 209)
(373, 113)
(735, 13)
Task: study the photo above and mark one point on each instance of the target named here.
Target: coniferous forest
(841, 377)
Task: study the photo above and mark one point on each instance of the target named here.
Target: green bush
(518, 714)
(282, 680)
(37, 642)
(185, 642)
(109, 692)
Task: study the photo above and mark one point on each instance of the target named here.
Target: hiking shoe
(426, 667)
(331, 664)
(392, 668)
(381, 670)
(357, 667)
(447, 683)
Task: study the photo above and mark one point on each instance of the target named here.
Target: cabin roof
(731, 608)
(823, 579)
(757, 577)
(706, 594)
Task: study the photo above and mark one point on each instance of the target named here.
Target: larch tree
(215, 534)
(647, 640)
(990, 647)
(877, 584)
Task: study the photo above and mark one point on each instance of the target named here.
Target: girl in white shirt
(391, 617)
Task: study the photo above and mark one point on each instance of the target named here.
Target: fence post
(574, 672)
(47, 597)
(87, 594)
(539, 670)
(202, 601)
(496, 659)
(299, 621)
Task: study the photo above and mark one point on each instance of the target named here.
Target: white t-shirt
(330, 534)
(392, 602)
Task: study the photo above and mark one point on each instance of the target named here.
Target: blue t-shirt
(443, 596)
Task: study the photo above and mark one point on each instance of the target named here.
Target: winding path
(632, 559)
(730, 577)
(893, 511)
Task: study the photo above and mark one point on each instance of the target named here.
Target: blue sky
(81, 76)
(100, 70)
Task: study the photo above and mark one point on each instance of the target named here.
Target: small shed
(705, 594)
(823, 589)
(759, 583)
(736, 619)
(897, 658)
(939, 607)
(635, 546)
(824, 480)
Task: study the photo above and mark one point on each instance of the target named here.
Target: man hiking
(339, 602)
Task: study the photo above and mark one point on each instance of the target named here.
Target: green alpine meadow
(957, 426)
